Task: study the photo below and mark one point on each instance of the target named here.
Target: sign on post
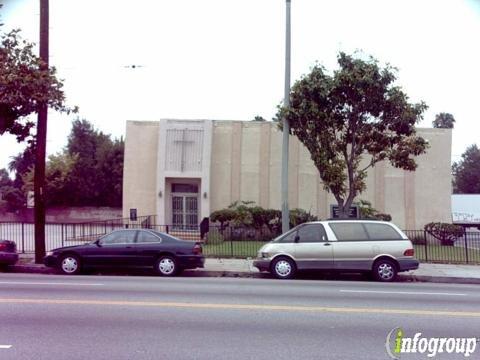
(353, 212)
(133, 214)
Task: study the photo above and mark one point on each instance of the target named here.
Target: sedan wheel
(283, 268)
(70, 265)
(384, 270)
(166, 266)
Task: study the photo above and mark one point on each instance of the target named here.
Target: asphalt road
(142, 317)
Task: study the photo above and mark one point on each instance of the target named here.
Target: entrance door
(185, 211)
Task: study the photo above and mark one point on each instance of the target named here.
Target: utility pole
(286, 126)
(40, 145)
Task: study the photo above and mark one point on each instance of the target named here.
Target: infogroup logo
(397, 344)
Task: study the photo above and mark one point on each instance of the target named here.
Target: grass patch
(234, 249)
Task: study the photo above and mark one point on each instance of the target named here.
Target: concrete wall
(245, 164)
(66, 214)
(140, 168)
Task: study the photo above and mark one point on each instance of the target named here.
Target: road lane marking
(48, 283)
(220, 306)
(5, 346)
(402, 292)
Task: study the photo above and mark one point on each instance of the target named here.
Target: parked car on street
(377, 247)
(8, 253)
(166, 254)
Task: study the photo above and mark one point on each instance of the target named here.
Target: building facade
(182, 170)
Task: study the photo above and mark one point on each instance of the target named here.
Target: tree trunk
(342, 209)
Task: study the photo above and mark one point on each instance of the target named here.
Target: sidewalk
(437, 273)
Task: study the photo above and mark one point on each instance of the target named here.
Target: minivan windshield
(284, 235)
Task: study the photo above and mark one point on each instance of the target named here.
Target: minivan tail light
(197, 249)
(3, 247)
(409, 252)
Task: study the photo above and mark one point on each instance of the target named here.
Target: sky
(224, 59)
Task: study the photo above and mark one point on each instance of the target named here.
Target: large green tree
(11, 198)
(355, 113)
(24, 84)
(443, 121)
(466, 172)
(97, 174)
(87, 172)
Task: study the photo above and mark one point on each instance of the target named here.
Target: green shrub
(369, 212)
(418, 239)
(243, 220)
(446, 233)
(300, 216)
(223, 216)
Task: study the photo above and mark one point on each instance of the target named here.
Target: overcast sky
(224, 59)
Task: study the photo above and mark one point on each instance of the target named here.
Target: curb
(31, 269)
(41, 269)
(441, 279)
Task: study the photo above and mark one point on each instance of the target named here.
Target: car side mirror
(297, 238)
(98, 243)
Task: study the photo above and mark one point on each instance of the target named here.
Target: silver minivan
(372, 246)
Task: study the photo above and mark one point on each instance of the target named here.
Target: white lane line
(47, 283)
(401, 292)
(5, 346)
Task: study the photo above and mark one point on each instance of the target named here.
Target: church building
(183, 170)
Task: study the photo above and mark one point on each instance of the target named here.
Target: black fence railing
(464, 249)
(230, 242)
(66, 234)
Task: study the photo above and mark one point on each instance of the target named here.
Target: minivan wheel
(384, 270)
(70, 265)
(166, 266)
(283, 268)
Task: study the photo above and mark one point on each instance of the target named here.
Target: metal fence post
(23, 238)
(231, 247)
(466, 245)
(63, 238)
(426, 245)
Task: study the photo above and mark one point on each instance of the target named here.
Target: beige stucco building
(182, 170)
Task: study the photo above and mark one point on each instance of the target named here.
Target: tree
(443, 121)
(367, 211)
(97, 174)
(357, 111)
(4, 178)
(57, 180)
(466, 172)
(11, 198)
(259, 118)
(87, 172)
(22, 163)
(25, 83)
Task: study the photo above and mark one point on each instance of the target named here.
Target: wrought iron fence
(462, 250)
(231, 242)
(66, 234)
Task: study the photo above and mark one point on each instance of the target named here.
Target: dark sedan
(166, 254)
(8, 253)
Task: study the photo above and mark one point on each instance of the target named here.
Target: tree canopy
(88, 172)
(443, 121)
(354, 112)
(466, 172)
(25, 83)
